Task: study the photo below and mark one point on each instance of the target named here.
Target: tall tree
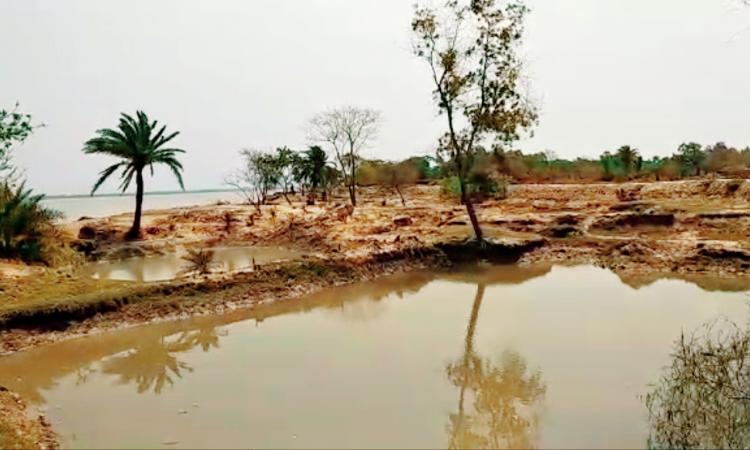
(286, 161)
(347, 131)
(139, 144)
(691, 157)
(471, 49)
(311, 170)
(629, 157)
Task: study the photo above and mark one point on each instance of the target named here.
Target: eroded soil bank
(641, 231)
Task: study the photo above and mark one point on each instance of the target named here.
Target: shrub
(25, 225)
(701, 400)
(199, 261)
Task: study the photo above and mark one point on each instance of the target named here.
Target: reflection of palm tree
(150, 365)
(206, 336)
(504, 398)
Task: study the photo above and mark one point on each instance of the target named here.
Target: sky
(250, 73)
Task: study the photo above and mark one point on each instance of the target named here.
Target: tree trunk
(135, 230)
(286, 197)
(403, 202)
(470, 210)
(353, 194)
(474, 221)
(352, 175)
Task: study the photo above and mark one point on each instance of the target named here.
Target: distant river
(75, 207)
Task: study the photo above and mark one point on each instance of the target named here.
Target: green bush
(24, 222)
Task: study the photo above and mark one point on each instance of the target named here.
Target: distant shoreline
(130, 194)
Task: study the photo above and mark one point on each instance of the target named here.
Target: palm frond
(104, 174)
(127, 177)
(164, 140)
(176, 168)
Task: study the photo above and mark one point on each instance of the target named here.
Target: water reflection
(505, 397)
(409, 348)
(151, 365)
(168, 267)
(154, 364)
(703, 398)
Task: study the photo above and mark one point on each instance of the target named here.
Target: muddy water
(168, 267)
(494, 357)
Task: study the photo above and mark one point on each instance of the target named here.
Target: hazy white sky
(249, 73)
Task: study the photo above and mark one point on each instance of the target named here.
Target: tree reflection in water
(206, 337)
(506, 397)
(703, 398)
(153, 364)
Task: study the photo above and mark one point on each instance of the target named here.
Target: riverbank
(641, 231)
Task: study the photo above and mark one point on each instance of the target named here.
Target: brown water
(168, 267)
(502, 356)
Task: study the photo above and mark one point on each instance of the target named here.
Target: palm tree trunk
(135, 230)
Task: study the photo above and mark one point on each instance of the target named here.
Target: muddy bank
(22, 428)
(176, 300)
(133, 304)
(686, 229)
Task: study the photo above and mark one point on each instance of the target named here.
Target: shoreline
(637, 230)
(696, 231)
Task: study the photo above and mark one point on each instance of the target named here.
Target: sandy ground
(690, 226)
(20, 428)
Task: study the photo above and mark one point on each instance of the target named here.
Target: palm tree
(629, 157)
(312, 168)
(139, 145)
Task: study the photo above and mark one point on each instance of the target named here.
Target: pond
(168, 267)
(487, 356)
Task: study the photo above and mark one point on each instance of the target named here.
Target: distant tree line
(626, 163)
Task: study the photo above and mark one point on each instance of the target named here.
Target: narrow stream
(497, 356)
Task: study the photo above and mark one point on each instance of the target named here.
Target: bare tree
(347, 131)
(257, 176)
(471, 50)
